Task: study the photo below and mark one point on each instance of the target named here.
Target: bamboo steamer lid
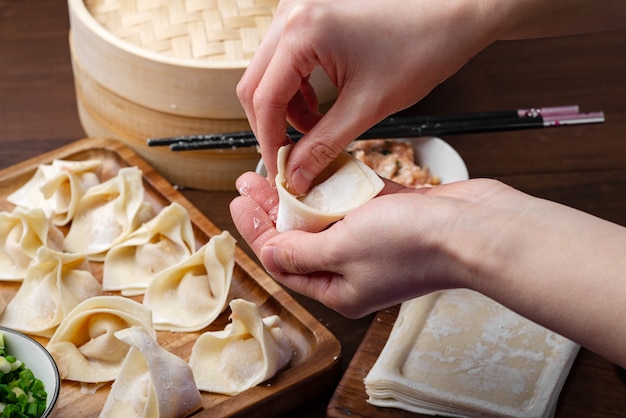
(158, 68)
(105, 114)
(176, 56)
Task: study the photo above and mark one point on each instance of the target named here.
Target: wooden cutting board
(316, 361)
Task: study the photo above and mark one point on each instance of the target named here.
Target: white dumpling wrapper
(108, 213)
(54, 284)
(57, 187)
(250, 350)
(190, 295)
(152, 382)
(458, 353)
(84, 346)
(165, 240)
(22, 233)
(344, 185)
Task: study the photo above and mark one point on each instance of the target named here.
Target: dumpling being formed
(57, 187)
(55, 283)
(22, 233)
(165, 240)
(344, 185)
(190, 295)
(152, 382)
(108, 213)
(248, 351)
(84, 346)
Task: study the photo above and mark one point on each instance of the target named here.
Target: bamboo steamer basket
(159, 68)
(104, 114)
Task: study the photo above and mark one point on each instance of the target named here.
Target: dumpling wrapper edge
(343, 186)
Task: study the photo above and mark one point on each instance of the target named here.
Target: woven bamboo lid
(104, 114)
(220, 30)
(175, 56)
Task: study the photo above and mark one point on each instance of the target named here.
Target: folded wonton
(22, 232)
(248, 351)
(152, 381)
(108, 213)
(165, 240)
(57, 187)
(54, 284)
(84, 345)
(190, 295)
(344, 185)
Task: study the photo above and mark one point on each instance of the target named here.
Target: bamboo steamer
(159, 68)
(104, 114)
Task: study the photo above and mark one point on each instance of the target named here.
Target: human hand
(383, 56)
(388, 250)
(538, 258)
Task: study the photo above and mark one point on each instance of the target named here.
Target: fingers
(284, 86)
(293, 259)
(262, 56)
(305, 263)
(251, 212)
(257, 187)
(275, 89)
(302, 111)
(323, 143)
(247, 89)
(289, 253)
(250, 215)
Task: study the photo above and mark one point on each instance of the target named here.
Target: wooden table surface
(582, 166)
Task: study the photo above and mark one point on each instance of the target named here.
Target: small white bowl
(37, 359)
(441, 159)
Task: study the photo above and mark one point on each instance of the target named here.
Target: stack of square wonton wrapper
(457, 353)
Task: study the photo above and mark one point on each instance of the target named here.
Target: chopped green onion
(21, 393)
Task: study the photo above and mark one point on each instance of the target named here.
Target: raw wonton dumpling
(84, 346)
(190, 295)
(108, 213)
(248, 351)
(152, 382)
(165, 240)
(57, 187)
(55, 283)
(344, 185)
(22, 232)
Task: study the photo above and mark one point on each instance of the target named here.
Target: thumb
(327, 139)
(294, 252)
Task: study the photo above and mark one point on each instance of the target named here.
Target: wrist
(493, 226)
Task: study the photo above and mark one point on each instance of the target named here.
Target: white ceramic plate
(36, 358)
(441, 159)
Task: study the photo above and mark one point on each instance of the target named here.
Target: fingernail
(243, 187)
(301, 180)
(268, 258)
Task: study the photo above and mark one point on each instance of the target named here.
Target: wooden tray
(316, 361)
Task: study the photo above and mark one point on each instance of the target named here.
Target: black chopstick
(532, 112)
(411, 126)
(456, 127)
(392, 120)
